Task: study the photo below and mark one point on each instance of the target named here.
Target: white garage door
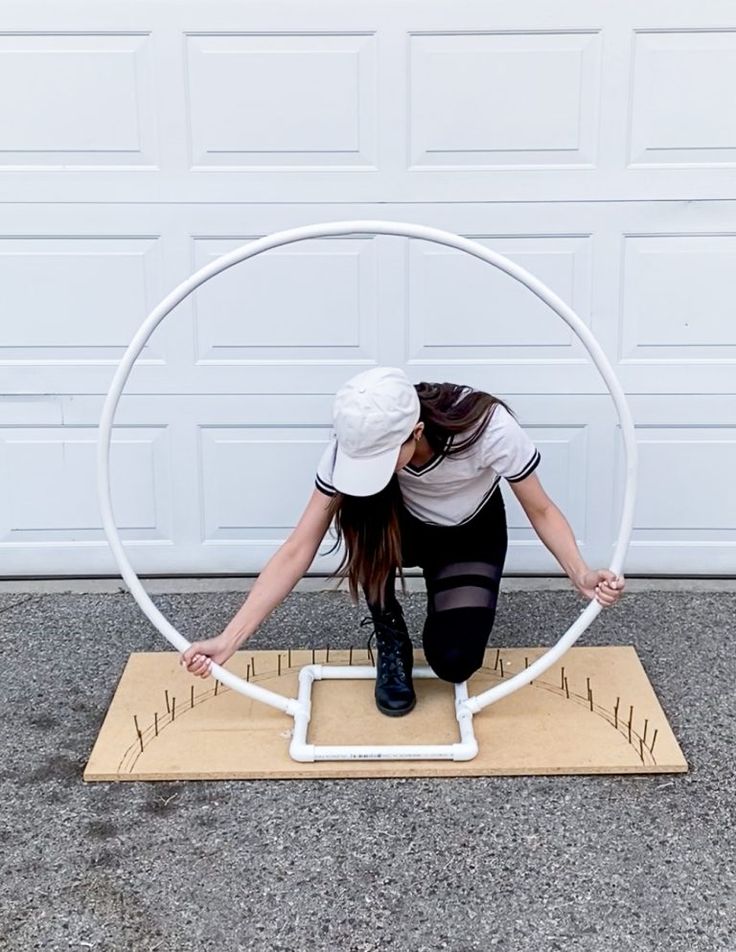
(593, 142)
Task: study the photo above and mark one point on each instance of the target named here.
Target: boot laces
(389, 650)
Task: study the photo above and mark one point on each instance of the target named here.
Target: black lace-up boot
(394, 689)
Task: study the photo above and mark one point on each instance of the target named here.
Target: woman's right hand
(198, 657)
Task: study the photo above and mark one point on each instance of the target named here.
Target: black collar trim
(432, 461)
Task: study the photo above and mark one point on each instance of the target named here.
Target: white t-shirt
(449, 490)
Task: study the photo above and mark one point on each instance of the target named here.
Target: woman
(410, 477)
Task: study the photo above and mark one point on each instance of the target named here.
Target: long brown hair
(370, 525)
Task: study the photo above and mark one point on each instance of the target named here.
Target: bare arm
(279, 576)
(555, 532)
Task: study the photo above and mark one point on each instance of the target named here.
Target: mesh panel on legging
(461, 607)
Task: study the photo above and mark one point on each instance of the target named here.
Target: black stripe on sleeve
(325, 487)
(528, 469)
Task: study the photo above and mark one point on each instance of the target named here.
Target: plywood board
(165, 724)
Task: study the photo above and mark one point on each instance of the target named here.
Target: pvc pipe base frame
(300, 750)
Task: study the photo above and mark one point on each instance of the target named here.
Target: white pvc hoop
(292, 706)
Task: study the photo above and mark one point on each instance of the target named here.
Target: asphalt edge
(414, 583)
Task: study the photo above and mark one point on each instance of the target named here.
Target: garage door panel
(676, 300)
(93, 90)
(621, 103)
(77, 299)
(678, 80)
(304, 101)
(586, 141)
(685, 512)
(542, 111)
(255, 480)
(461, 308)
(51, 484)
(176, 511)
(314, 301)
(697, 465)
(635, 267)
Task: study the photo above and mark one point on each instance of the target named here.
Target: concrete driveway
(531, 864)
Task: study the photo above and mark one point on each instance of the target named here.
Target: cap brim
(365, 475)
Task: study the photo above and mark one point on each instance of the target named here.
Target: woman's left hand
(601, 584)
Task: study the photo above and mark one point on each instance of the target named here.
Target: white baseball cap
(373, 413)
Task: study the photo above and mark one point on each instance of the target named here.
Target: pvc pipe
(304, 752)
(359, 672)
(331, 229)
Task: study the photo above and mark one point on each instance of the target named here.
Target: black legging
(462, 568)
